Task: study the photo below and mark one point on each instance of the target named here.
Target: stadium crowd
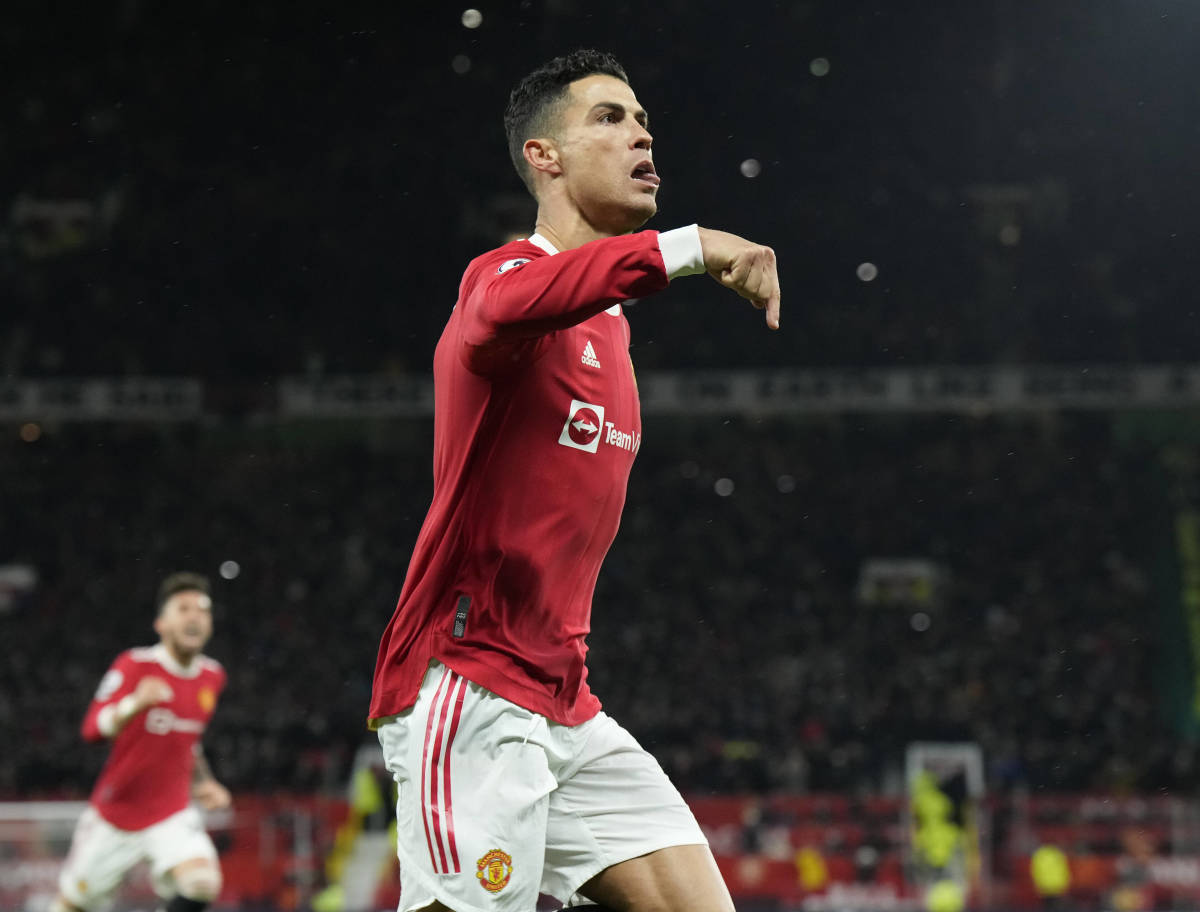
(244, 204)
(257, 205)
(729, 631)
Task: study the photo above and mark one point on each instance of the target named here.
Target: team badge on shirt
(207, 699)
(582, 430)
(509, 264)
(493, 870)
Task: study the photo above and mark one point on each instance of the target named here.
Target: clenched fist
(152, 691)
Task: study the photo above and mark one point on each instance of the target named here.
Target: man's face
(605, 154)
(185, 622)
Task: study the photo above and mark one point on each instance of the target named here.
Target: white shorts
(101, 855)
(498, 804)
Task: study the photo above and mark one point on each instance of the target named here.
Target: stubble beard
(183, 651)
(623, 216)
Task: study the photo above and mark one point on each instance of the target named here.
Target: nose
(642, 138)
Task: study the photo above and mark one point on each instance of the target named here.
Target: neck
(565, 236)
(183, 658)
(566, 227)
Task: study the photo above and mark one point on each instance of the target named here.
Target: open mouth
(644, 172)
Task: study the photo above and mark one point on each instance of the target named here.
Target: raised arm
(511, 300)
(120, 698)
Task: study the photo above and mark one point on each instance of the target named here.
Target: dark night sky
(301, 186)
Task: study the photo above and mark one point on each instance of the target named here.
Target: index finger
(773, 310)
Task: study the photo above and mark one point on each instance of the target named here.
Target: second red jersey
(148, 775)
(536, 427)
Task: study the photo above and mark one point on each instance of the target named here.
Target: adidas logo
(589, 355)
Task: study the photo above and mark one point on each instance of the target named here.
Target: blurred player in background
(153, 704)
(511, 780)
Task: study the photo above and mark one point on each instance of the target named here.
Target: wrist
(681, 251)
(128, 707)
(112, 718)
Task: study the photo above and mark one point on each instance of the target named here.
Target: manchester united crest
(207, 699)
(493, 870)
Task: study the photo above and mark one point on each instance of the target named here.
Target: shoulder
(137, 656)
(126, 668)
(502, 259)
(212, 668)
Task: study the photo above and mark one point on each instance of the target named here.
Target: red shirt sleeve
(118, 681)
(547, 293)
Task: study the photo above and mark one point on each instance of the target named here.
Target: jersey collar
(164, 658)
(538, 241)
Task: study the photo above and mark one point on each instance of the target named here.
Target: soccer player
(511, 781)
(153, 704)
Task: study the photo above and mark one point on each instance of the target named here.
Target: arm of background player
(121, 696)
(205, 787)
(116, 685)
(554, 292)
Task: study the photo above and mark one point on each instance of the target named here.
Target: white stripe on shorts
(437, 806)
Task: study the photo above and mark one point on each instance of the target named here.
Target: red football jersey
(536, 425)
(148, 775)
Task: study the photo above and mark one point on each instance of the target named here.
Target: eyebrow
(639, 115)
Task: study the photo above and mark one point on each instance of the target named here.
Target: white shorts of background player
(101, 855)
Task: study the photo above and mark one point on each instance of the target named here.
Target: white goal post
(35, 837)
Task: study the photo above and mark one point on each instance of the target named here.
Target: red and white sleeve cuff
(681, 251)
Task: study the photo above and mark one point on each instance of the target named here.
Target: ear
(158, 624)
(542, 155)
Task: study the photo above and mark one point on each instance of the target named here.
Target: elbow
(494, 318)
(485, 327)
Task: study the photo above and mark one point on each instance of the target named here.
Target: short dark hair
(181, 582)
(537, 96)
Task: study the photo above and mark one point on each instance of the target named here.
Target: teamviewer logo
(582, 430)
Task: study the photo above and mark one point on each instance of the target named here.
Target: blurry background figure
(362, 861)
(1051, 873)
(153, 704)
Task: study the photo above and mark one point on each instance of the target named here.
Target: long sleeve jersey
(536, 426)
(148, 774)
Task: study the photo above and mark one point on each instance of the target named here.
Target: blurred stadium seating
(212, 204)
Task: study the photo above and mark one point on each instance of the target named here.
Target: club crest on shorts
(493, 870)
